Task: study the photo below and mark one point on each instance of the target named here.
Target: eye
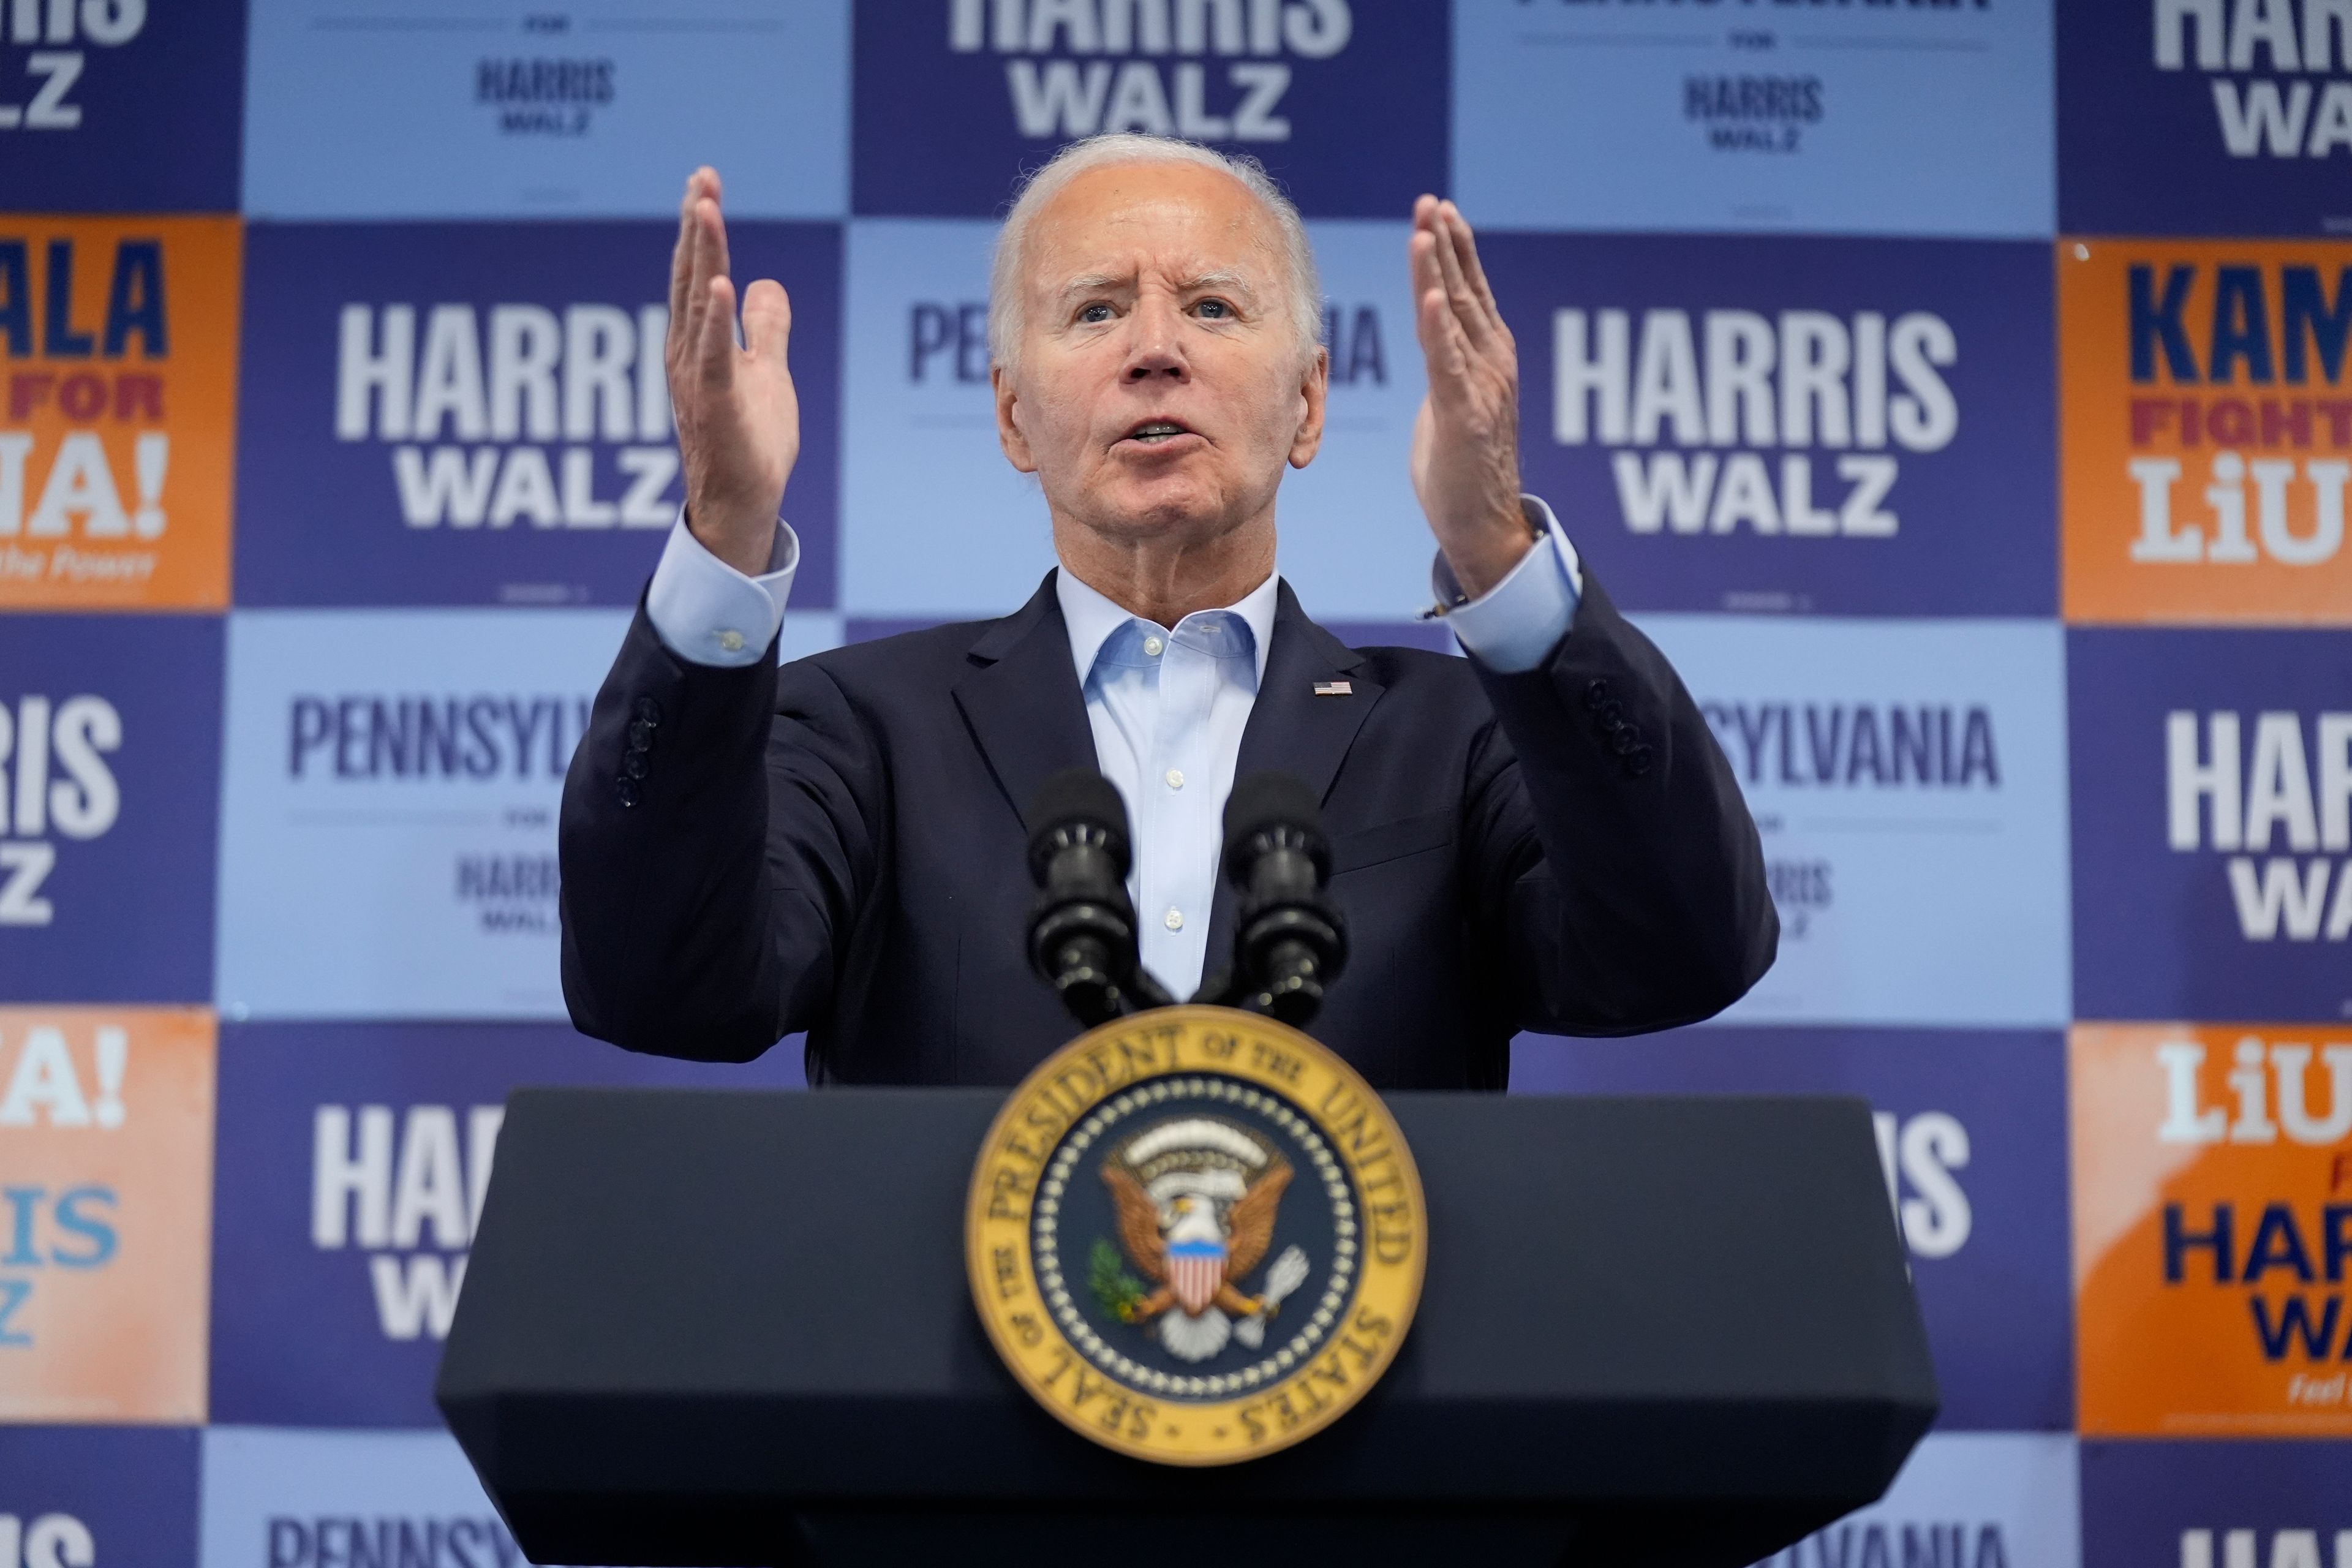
(1214, 309)
(1095, 313)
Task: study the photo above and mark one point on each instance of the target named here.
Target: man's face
(1161, 389)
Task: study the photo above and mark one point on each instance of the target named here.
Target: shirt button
(1152, 647)
(1173, 920)
(1175, 778)
(733, 641)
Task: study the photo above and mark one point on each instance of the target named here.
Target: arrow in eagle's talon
(1289, 1272)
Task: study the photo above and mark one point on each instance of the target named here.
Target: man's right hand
(738, 420)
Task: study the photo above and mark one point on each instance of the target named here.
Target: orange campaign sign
(106, 1179)
(2205, 424)
(2213, 1229)
(117, 397)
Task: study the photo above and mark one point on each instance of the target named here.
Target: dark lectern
(706, 1328)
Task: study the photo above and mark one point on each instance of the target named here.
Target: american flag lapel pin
(1334, 688)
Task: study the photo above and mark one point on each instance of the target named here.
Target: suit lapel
(1022, 699)
(1293, 730)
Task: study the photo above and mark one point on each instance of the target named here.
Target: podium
(706, 1328)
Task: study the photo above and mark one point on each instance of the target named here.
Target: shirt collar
(1093, 619)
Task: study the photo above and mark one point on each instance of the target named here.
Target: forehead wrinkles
(1173, 238)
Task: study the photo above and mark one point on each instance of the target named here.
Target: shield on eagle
(1196, 1270)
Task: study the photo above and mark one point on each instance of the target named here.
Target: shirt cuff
(1515, 625)
(708, 613)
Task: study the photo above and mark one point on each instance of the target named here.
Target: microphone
(1290, 941)
(1082, 929)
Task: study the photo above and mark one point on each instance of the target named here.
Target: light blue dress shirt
(1167, 705)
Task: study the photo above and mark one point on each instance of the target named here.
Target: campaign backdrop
(1344, 100)
(421, 429)
(393, 783)
(118, 106)
(2205, 431)
(2209, 117)
(110, 746)
(589, 110)
(1880, 760)
(106, 1151)
(367, 1151)
(296, 1499)
(1954, 391)
(2270, 1503)
(1836, 427)
(1827, 120)
(72, 1497)
(2212, 792)
(2210, 1170)
(121, 340)
(1970, 1499)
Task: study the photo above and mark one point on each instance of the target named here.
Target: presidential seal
(1195, 1236)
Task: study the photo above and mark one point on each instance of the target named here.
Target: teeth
(1151, 432)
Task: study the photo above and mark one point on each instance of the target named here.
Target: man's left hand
(1465, 442)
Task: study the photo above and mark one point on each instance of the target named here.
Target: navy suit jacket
(837, 846)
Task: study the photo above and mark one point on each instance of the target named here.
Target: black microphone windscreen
(1270, 800)
(1076, 795)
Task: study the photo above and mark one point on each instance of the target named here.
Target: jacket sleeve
(1616, 874)
(715, 844)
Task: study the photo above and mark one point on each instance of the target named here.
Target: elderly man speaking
(1542, 836)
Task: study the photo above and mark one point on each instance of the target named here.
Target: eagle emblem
(1196, 1200)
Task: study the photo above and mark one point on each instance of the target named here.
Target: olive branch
(1114, 1287)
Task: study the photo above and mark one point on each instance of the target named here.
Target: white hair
(1302, 292)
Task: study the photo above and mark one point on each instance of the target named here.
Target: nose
(1155, 341)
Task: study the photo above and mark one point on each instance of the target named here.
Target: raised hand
(1465, 440)
(739, 419)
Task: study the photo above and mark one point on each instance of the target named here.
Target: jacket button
(635, 766)
(641, 735)
(627, 791)
(1596, 692)
(1637, 762)
(1626, 741)
(648, 711)
(1611, 717)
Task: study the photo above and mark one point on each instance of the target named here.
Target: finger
(698, 277)
(1424, 211)
(712, 224)
(1421, 252)
(714, 348)
(1458, 294)
(1466, 248)
(710, 263)
(681, 257)
(1444, 346)
(768, 321)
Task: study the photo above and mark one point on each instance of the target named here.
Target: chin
(1161, 509)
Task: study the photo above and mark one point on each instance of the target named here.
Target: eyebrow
(1226, 280)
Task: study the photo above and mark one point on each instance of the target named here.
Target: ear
(1312, 391)
(1008, 425)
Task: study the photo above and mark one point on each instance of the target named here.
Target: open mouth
(1157, 432)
